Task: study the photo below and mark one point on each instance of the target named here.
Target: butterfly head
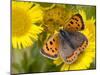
(63, 34)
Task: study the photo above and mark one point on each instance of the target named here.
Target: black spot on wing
(55, 48)
(71, 22)
(78, 25)
(51, 42)
(53, 51)
(47, 48)
(50, 48)
(75, 19)
(54, 40)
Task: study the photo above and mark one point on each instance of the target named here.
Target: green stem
(43, 67)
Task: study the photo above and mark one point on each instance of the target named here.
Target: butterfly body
(69, 43)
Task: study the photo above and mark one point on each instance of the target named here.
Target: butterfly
(69, 43)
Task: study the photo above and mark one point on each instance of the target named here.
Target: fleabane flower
(25, 16)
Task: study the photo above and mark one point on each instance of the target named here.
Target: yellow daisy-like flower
(88, 56)
(54, 18)
(25, 16)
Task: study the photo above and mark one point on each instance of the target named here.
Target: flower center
(21, 21)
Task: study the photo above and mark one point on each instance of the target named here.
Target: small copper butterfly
(69, 43)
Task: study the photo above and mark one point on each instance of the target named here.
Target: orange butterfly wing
(75, 23)
(50, 48)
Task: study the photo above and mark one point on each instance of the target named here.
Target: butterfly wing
(71, 45)
(50, 48)
(75, 23)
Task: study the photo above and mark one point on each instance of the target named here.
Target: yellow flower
(25, 16)
(54, 18)
(88, 56)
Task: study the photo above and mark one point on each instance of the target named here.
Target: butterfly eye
(62, 33)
